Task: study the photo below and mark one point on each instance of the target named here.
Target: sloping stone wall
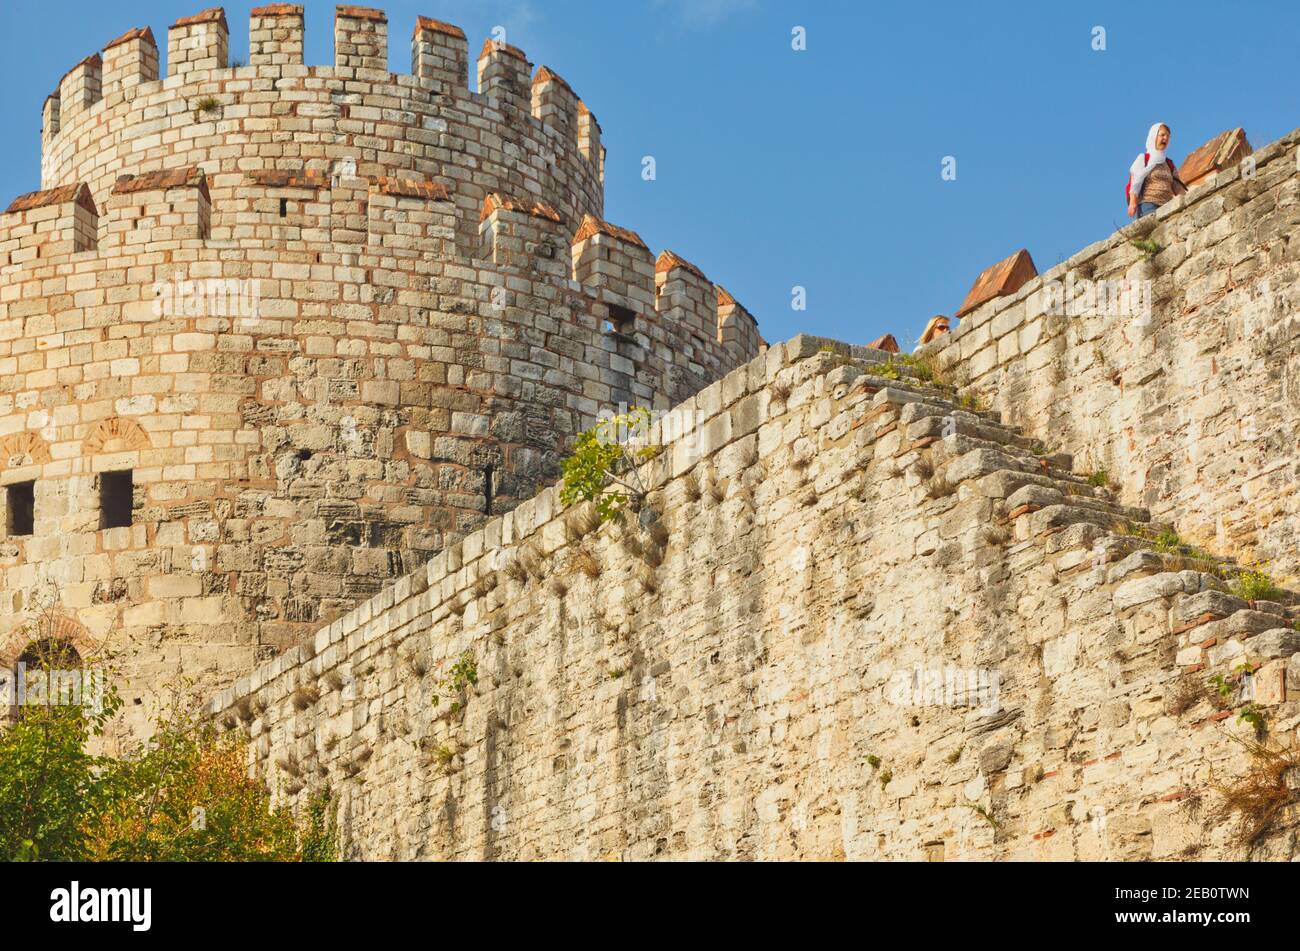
(854, 620)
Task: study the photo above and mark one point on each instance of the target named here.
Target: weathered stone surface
(1278, 642)
(1218, 603)
(1270, 683)
(1137, 591)
(1036, 495)
(1239, 624)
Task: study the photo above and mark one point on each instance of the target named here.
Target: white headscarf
(1142, 165)
(1156, 156)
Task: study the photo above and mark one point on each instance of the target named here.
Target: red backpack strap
(1128, 188)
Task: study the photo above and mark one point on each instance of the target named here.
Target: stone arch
(51, 627)
(23, 449)
(116, 435)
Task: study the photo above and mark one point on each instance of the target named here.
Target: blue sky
(819, 168)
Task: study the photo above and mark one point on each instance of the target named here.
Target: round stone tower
(272, 334)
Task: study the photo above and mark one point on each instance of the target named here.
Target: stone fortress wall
(1194, 411)
(440, 306)
(870, 618)
(867, 617)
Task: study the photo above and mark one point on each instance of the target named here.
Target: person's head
(936, 327)
(1162, 137)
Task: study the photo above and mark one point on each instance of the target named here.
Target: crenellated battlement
(666, 304)
(324, 198)
(439, 52)
(198, 51)
(129, 60)
(57, 223)
(157, 210)
(198, 43)
(518, 132)
(275, 35)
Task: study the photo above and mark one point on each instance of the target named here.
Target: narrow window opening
(622, 320)
(487, 490)
(284, 207)
(21, 503)
(116, 499)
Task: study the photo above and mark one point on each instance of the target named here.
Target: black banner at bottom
(340, 901)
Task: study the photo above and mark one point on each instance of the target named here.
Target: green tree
(184, 796)
(48, 782)
(603, 466)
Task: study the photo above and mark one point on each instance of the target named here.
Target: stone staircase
(1041, 501)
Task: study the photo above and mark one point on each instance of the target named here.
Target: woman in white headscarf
(1153, 179)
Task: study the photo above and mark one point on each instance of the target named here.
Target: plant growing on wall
(320, 834)
(1260, 797)
(984, 813)
(207, 106)
(602, 468)
(1147, 246)
(1255, 584)
(462, 674)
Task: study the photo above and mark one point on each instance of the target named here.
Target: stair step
(976, 444)
(908, 392)
(1042, 496)
(1059, 466)
(929, 419)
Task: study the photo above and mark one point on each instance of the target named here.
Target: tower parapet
(503, 76)
(129, 60)
(80, 87)
(554, 104)
(275, 35)
(198, 43)
(361, 39)
(59, 221)
(440, 52)
(157, 209)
